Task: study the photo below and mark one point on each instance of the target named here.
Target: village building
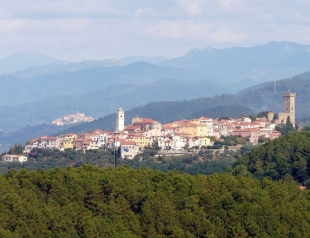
(14, 158)
(129, 149)
(174, 136)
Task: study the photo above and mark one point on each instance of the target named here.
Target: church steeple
(120, 120)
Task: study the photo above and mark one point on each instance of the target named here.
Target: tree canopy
(122, 202)
(283, 158)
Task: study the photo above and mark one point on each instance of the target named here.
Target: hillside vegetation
(93, 202)
(286, 158)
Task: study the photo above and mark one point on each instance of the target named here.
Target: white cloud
(191, 7)
(98, 29)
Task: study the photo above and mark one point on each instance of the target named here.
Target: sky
(76, 30)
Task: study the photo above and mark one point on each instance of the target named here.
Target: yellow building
(140, 140)
(193, 129)
(68, 141)
(204, 141)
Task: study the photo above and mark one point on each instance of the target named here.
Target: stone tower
(120, 120)
(289, 108)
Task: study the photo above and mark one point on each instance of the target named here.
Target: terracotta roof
(131, 127)
(49, 138)
(128, 143)
(204, 118)
(145, 121)
(247, 130)
(98, 132)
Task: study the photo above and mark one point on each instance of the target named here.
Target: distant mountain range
(35, 72)
(152, 60)
(24, 60)
(102, 101)
(272, 61)
(51, 88)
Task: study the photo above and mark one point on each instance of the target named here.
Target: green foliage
(253, 118)
(47, 159)
(287, 128)
(286, 156)
(306, 128)
(223, 118)
(203, 163)
(262, 114)
(16, 149)
(122, 202)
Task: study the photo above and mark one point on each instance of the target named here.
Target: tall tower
(289, 106)
(120, 120)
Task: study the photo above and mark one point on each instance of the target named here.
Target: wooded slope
(122, 202)
(287, 157)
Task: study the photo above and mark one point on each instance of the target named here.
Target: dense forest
(287, 157)
(122, 202)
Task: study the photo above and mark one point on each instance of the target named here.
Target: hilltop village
(72, 119)
(172, 138)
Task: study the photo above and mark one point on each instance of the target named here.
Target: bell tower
(120, 120)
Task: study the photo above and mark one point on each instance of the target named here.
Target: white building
(14, 158)
(129, 149)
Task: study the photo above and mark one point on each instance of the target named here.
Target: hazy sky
(99, 29)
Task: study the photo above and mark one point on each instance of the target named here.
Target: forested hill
(122, 202)
(165, 112)
(258, 98)
(286, 158)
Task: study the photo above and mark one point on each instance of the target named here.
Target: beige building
(129, 149)
(148, 127)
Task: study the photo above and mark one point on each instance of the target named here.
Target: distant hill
(152, 60)
(71, 67)
(272, 61)
(14, 90)
(249, 101)
(102, 101)
(25, 60)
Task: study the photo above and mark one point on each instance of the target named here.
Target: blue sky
(78, 30)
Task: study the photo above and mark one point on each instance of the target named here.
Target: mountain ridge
(242, 63)
(23, 60)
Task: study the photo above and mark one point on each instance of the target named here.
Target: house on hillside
(129, 149)
(14, 158)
